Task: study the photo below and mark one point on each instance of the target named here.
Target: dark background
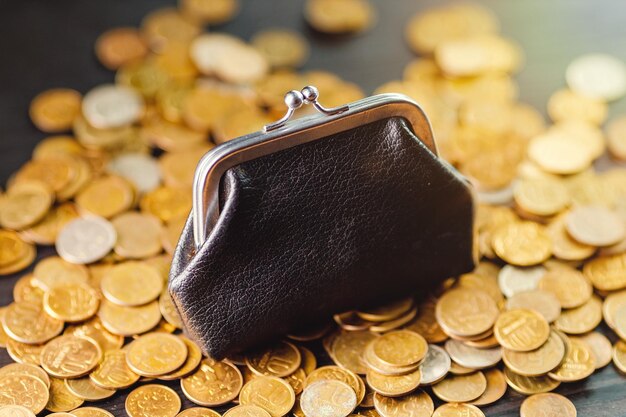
(49, 43)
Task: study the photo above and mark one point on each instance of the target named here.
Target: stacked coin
(97, 319)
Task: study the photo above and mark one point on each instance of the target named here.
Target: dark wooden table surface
(46, 44)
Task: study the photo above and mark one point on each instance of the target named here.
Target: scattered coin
(86, 240)
(328, 398)
(471, 357)
(213, 384)
(343, 16)
(539, 361)
(578, 364)
(153, 401)
(132, 284)
(456, 409)
(466, 312)
(547, 403)
(156, 354)
(541, 301)
(600, 348)
(272, 394)
(281, 359)
(282, 48)
(461, 388)
(71, 302)
(55, 110)
(25, 390)
(436, 365)
(69, 356)
(112, 106)
(595, 225)
(246, 411)
(597, 75)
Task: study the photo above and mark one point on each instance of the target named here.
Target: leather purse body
(353, 218)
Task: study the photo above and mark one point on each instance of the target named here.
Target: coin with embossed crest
(25, 390)
(435, 366)
(279, 360)
(417, 404)
(69, 356)
(28, 323)
(272, 394)
(393, 385)
(578, 364)
(547, 404)
(71, 302)
(328, 398)
(25, 369)
(539, 361)
(86, 240)
(156, 354)
(461, 388)
(521, 330)
(213, 384)
(113, 371)
(153, 401)
(466, 312)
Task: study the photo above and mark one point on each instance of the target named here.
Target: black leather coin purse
(345, 209)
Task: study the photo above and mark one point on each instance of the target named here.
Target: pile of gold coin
(97, 318)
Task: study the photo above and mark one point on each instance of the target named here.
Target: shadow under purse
(345, 209)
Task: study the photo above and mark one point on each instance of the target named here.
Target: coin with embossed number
(417, 404)
(69, 356)
(578, 364)
(521, 330)
(153, 401)
(272, 394)
(393, 385)
(279, 360)
(113, 371)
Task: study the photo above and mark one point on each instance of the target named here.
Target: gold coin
(543, 302)
(28, 323)
(46, 231)
(496, 388)
(167, 203)
(529, 384)
(539, 361)
(547, 404)
(564, 246)
(12, 248)
(198, 412)
(25, 390)
(595, 225)
(426, 324)
(461, 388)
(24, 290)
(607, 273)
(600, 348)
(128, 321)
(55, 171)
(296, 380)
(581, 319)
(619, 355)
(132, 284)
(569, 285)
(281, 359)
(54, 110)
(213, 384)
(308, 362)
(542, 197)
(616, 137)
(61, 399)
(522, 243)
(343, 16)
(24, 353)
(25, 204)
(91, 412)
(329, 397)
(4, 338)
(555, 153)
(417, 404)
(15, 411)
(394, 324)
(52, 271)
(71, 302)
(348, 349)
(566, 104)
(152, 401)
(69, 356)
(86, 390)
(169, 310)
(388, 311)
(211, 12)
(466, 312)
(25, 369)
(94, 330)
(194, 356)
(282, 48)
(458, 410)
(120, 46)
(400, 348)
(339, 374)
(521, 330)
(156, 354)
(106, 197)
(392, 385)
(578, 364)
(272, 394)
(481, 282)
(178, 168)
(473, 357)
(113, 371)
(246, 411)
(138, 235)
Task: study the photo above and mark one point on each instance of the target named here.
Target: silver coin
(471, 357)
(86, 240)
(600, 76)
(435, 366)
(513, 279)
(140, 169)
(328, 398)
(111, 106)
